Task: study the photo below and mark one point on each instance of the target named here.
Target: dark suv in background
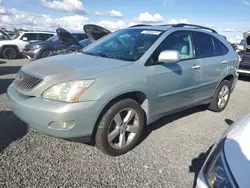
(37, 50)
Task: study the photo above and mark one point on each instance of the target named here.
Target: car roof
(169, 26)
(45, 32)
(154, 27)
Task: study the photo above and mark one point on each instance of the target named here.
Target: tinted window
(203, 45)
(220, 48)
(44, 36)
(30, 36)
(180, 41)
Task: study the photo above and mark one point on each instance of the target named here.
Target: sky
(228, 17)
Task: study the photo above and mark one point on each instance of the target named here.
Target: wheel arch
(229, 78)
(138, 96)
(10, 45)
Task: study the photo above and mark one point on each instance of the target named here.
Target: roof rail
(140, 25)
(196, 26)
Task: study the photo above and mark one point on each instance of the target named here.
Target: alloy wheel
(223, 96)
(123, 128)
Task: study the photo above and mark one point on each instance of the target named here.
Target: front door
(175, 83)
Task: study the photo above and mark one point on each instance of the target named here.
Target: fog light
(62, 125)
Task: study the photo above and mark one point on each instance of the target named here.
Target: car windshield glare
(127, 44)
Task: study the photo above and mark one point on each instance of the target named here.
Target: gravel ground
(170, 155)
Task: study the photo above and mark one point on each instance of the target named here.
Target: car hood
(66, 37)
(75, 65)
(95, 32)
(5, 34)
(40, 43)
(237, 151)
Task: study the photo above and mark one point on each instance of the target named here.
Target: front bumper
(40, 113)
(31, 54)
(242, 71)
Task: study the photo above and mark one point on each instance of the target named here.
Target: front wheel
(45, 53)
(120, 128)
(10, 53)
(221, 97)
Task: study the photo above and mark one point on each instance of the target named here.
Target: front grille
(25, 81)
(245, 59)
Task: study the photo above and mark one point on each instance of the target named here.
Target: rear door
(211, 53)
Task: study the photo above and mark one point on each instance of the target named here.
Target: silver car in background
(124, 81)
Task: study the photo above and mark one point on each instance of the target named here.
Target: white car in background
(228, 164)
(11, 47)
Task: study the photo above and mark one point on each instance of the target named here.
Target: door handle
(223, 62)
(196, 67)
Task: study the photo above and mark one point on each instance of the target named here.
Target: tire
(45, 54)
(112, 144)
(217, 98)
(10, 53)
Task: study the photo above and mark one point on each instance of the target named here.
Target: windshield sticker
(150, 32)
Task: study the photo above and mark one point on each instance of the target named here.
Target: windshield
(55, 38)
(16, 35)
(127, 44)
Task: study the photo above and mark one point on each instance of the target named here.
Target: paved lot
(170, 154)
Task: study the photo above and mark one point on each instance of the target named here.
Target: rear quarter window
(220, 48)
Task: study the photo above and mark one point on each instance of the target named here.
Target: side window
(44, 36)
(30, 36)
(220, 48)
(180, 41)
(203, 45)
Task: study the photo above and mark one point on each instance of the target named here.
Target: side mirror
(24, 38)
(169, 56)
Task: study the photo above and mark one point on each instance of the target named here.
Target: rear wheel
(221, 97)
(10, 53)
(120, 128)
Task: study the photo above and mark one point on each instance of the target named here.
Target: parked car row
(12, 46)
(66, 42)
(62, 40)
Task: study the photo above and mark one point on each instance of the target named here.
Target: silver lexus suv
(123, 82)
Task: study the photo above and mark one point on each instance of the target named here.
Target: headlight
(217, 172)
(67, 91)
(35, 47)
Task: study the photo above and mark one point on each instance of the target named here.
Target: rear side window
(203, 45)
(44, 36)
(220, 48)
(30, 36)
